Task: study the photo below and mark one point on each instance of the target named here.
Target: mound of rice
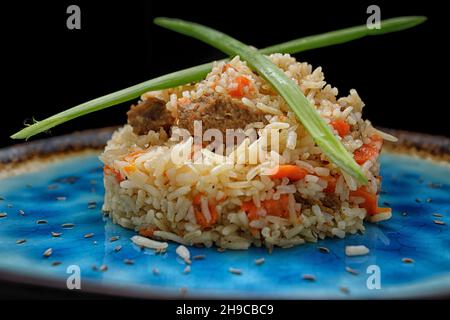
(205, 203)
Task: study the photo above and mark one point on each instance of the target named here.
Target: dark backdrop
(48, 68)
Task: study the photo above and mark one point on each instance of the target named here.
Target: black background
(48, 68)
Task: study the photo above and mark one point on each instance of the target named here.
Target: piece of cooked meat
(217, 112)
(150, 114)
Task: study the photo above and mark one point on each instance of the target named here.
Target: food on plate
(253, 150)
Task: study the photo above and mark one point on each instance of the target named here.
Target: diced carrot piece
(342, 127)
(368, 150)
(251, 210)
(290, 171)
(277, 208)
(241, 83)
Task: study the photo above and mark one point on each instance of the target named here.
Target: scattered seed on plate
(344, 290)
(56, 234)
(408, 260)
(117, 248)
(68, 225)
(235, 271)
(351, 270)
(309, 277)
(21, 212)
(155, 271)
(199, 257)
(438, 215)
(187, 269)
(47, 253)
(114, 238)
(324, 250)
(128, 261)
(56, 263)
(103, 267)
(61, 198)
(88, 235)
(3, 214)
(20, 241)
(41, 221)
(440, 222)
(259, 261)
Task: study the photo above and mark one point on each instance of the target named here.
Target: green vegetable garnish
(286, 87)
(198, 73)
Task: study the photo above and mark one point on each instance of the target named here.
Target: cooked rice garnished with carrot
(239, 198)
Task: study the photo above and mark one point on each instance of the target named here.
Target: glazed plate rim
(15, 158)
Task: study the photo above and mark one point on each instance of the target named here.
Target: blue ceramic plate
(409, 254)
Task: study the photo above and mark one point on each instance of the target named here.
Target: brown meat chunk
(332, 201)
(217, 112)
(150, 114)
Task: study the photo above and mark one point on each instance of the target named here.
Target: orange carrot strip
(201, 220)
(107, 170)
(290, 171)
(370, 201)
(197, 198)
(331, 186)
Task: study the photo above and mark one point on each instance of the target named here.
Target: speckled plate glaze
(411, 250)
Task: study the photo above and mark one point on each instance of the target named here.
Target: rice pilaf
(232, 200)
